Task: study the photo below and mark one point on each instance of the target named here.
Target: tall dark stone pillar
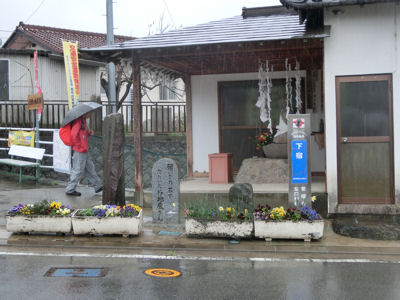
(113, 160)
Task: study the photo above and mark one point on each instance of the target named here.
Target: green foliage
(202, 209)
(293, 214)
(87, 212)
(40, 208)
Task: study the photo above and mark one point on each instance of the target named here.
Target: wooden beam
(238, 62)
(189, 128)
(137, 135)
(232, 48)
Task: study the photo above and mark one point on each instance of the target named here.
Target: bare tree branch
(150, 79)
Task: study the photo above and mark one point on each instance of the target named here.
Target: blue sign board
(299, 161)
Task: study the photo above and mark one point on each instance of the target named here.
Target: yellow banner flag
(70, 50)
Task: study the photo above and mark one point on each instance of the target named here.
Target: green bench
(34, 154)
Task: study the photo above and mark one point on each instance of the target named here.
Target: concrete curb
(151, 244)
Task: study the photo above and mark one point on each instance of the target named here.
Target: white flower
(112, 212)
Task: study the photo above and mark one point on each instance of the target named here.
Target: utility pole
(110, 65)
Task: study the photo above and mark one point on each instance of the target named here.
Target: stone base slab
(263, 170)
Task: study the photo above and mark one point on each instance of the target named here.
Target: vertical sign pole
(37, 137)
(299, 131)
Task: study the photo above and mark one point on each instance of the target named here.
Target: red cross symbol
(298, 123)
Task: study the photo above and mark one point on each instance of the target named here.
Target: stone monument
(113, 160)
(241, 196)
(165, 192)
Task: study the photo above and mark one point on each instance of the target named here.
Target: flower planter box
(107, 225)
(39, 223)
(222, 229)
(304, 230)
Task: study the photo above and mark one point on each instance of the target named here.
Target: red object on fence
(220, 167)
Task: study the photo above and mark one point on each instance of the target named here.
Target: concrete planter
(39, 224)
(107, 225)
(303, 230)
(222, 229)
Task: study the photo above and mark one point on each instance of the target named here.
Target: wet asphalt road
(22, 277)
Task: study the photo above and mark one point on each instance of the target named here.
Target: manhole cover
(75, 272)
(170, 233)
(162, 273)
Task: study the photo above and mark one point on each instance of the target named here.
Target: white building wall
(51, 77)
(21, 81)
(51, 74)
(364, 40)
(205, 114)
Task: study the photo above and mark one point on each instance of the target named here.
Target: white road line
(202, 258)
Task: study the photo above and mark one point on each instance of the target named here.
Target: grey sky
(131, 17)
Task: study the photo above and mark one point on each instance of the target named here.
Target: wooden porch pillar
(137, 135)
(189, 130)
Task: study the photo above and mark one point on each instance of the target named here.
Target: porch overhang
(240, 57)
(232, 45)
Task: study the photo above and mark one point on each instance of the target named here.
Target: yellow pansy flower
(55, 205)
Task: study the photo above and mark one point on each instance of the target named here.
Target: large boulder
(263, 170)
(278, 149)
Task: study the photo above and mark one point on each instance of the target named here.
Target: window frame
(8, 78)
(166, 89)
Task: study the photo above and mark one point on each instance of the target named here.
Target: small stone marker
(165, 188)
(241, 196)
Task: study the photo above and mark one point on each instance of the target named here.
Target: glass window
(240, 117)
(4, 84)
(168, 91)
(364, 108)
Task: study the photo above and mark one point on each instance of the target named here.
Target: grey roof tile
(273, 26)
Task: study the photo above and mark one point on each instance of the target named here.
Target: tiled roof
(310, 4)
(50, 38)
(275, 23)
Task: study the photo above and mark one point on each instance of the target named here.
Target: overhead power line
(172, 19)
(26, 21)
